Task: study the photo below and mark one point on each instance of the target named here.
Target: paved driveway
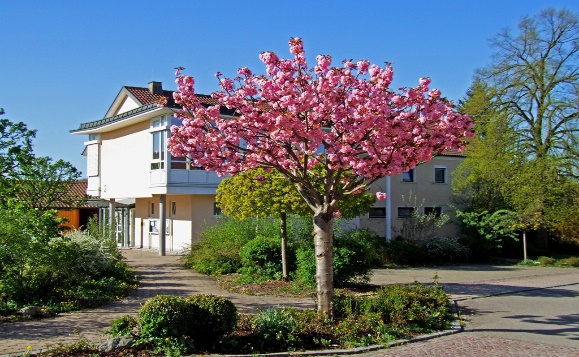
(532, 311)
(539, 322)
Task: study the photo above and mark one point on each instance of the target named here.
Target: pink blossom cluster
(294, 117)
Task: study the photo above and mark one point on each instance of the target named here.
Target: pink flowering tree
(294, 117)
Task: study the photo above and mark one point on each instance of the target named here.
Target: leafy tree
(35, 182)
(15, 145)
(524, 155)
(492, 160)
(294, 117)
(536, 77)
(258, 193)
(43, 183)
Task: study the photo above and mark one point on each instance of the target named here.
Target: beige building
(162, 202)
(156, 200)
(425, 189)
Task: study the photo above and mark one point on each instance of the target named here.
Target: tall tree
(536, 76)
(15, 145)
(492, 157)
(293, 118)
(258, 193)
(34, 182)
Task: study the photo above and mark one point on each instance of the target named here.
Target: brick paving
(165, 275)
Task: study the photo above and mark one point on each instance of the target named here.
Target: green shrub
(404, 252)
(217, 252)
(571, 262)
(546, 261)
(176, 325)
(347, 304)
(261, 259)
(351, 263)
(374, 245)
(65, 273)
(123, 326)
(363, 330)
(220, 317)
(169, 318)
(416, 306)
(275, 326)
(445, 250)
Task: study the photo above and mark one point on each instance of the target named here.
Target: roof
(452, 152)
(149, 103)
(76, 192)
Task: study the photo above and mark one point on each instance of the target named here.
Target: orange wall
(73, 217)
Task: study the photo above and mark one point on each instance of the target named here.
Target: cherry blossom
(294, 118)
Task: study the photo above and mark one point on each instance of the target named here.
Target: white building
(128, 164)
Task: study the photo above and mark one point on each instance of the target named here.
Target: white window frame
(159, 129)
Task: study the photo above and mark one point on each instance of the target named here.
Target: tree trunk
(324, 242)
(284, 270)
(524, 246)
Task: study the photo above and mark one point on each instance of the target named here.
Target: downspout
(388, 210)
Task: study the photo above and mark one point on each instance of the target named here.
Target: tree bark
(284, 270)
(324, 242)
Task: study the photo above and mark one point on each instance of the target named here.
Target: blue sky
(63, 62)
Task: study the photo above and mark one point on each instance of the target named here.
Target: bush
(169, 316)
(64, 273)
(416, 306)
(261, 259)
(218, 250)
(123, 326)
(182, 324)
(273, 327)
(404, 252)
(571, 262)
(445, 250)
(351, 263)
(221, 317)
(374, 245)
(546, 261)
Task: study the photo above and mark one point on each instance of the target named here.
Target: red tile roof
(145, 96)
(453, 152)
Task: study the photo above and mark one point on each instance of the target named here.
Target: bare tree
(536, 77)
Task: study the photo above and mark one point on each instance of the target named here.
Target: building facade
(162, 202)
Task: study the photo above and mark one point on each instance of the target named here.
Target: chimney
(156, 87)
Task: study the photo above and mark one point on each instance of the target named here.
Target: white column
(162, 218)
(112, 219)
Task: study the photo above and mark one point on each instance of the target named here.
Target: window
(179, 162)
(440, 174)
(405, 212)
(377, 212)
(173, 209)
(159, 149)
(93, 137)
(408, 176)
(159, 122)
(436, 211)
(152, 210)
(216, 210)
